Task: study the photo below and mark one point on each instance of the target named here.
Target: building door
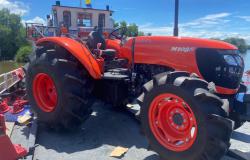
(101, 21)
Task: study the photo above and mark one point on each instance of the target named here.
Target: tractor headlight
(230, 60)
(234, 60)
(221, 66)
(239, 60)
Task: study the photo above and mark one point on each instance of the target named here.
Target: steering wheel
(118, 33)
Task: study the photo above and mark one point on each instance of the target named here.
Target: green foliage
(132, 29)
(238, 42)
(23, 53)
(12, 34)
(141, 33)
(116, 24)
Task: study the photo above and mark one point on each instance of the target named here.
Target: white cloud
(35, 20)
(16, 7)
(246, 18)
(208, 21)
(149, 28)
(205, 22)
(204, 27)
(213, 34)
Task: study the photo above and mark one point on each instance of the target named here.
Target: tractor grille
(223, 67)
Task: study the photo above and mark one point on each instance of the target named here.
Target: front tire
(58, 88)
(182, 120)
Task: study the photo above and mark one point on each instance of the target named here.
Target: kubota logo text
(182, 49)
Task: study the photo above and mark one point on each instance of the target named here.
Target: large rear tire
(183, 120)
(59, 88)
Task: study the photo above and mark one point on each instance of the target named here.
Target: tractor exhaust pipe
(176, 19)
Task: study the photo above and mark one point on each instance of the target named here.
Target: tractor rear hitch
(245, 99)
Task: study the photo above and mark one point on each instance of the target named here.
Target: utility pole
(176, 19)
(80, 3)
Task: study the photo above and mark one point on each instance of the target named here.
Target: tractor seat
(96, 42)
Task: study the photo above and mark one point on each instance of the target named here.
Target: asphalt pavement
(102, 133)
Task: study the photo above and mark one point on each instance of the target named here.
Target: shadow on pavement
(98, 136)
(241, 137)
(104, 130)
(153, 157)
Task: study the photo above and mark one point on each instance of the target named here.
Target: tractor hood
(186, 43)
(206, 58)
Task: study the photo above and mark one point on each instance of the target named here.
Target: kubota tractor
(189, 89)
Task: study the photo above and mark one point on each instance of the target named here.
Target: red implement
(4, 107)
(2, 125)
(18, 106)
(8, 151)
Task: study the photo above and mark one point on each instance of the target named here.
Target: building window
(84, 20)
(101, 20)
(67, 18)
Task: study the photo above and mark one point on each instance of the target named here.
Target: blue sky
(198, 18)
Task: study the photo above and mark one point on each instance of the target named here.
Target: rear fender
(79, 51)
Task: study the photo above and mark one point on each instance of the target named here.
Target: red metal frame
(172, 122)
(45, 92)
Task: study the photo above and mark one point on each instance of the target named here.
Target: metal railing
(7, 80)
(35, 31)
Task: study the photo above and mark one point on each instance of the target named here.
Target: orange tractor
(189, 90)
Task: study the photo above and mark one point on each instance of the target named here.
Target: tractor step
(117, 74)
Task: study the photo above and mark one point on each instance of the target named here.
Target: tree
(238, 42)
(123, 24)
(132, 29)
(23, 53)
(12, 34)
(116, 24)
(141, 33)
